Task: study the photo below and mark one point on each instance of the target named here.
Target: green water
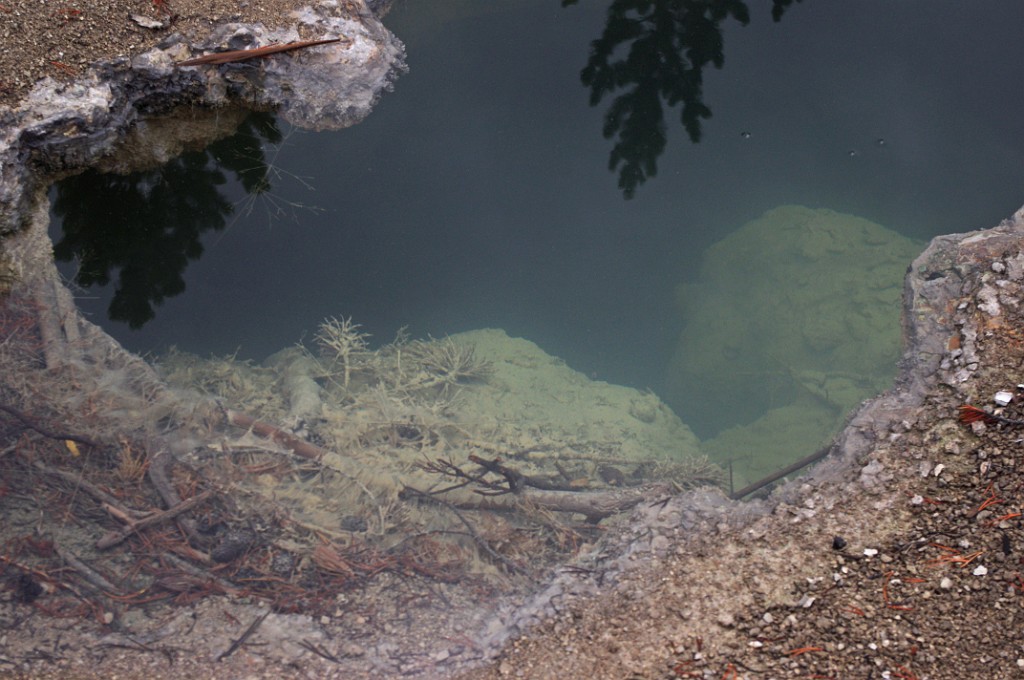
(486, 191)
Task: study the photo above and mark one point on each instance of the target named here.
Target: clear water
(478, 193)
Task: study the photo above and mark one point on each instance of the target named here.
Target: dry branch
(31, 423)
(78, 482)
(477, 538)
(159, 476)
(521, 490)
(296, 445)
(595, 505)
(115, 537)
(85, 571)
(241, 55)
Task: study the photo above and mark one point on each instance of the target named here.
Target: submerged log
(595, 505)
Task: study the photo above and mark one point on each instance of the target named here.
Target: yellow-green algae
(793, 320)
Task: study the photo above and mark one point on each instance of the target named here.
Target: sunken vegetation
(215, 484)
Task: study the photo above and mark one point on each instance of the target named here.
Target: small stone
(980, 570)
(1002, 398)
(946, 583)
(726, 620)
(870, 552)
(354, 523)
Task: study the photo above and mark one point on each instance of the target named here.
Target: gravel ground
(58, 39)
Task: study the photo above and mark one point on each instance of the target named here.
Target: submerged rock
(795, 313)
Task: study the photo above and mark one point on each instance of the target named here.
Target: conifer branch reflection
(147, 226)
(653, 52)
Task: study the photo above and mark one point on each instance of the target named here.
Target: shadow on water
(653, 53)
(143, 228)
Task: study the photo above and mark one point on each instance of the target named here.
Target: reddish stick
(240, 55)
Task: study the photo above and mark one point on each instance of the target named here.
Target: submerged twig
(477, 538)
(85, 571)
(115, 537)
(245, 636)
(31, 423)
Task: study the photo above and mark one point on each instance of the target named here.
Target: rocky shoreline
(63, 127)
(695, 586)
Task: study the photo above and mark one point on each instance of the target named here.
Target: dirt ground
(60, 39)
(907, 565)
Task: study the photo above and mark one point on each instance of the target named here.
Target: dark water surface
(478, 193)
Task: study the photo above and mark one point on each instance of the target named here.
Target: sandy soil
(60, 39)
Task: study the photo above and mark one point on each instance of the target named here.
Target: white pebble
(980, 570)
(1003, 397)
(870, 552)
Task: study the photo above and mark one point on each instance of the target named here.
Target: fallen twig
(245, 636)
(296, 445)
(99, 494)
(30, 422)
(240, 55)
(517, 480)
(159, 476)
(205, 576)
(779, 474)
(595, 505)
(477, 538)
(115, 537)
(85, 571)
(318, 650)
(972, 414)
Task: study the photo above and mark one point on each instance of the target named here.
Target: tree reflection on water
(147, 226)
(653, 52)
